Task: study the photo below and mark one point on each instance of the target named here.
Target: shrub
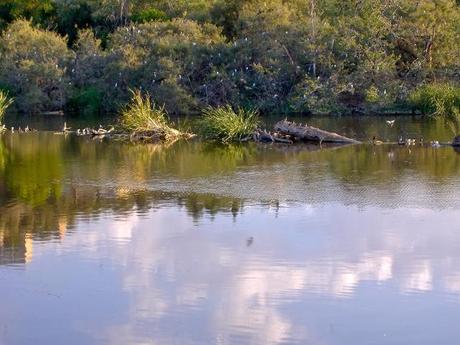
(87, 101)
(226, 125)
(33, 66)
(165, 58)
(438, 99)
(142, 115)
(148, 15)
(5, 102)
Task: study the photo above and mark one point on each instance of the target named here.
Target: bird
(401, 141)
(65, 128)
(249, 241)
(27, 130)
(435, 143)
(101, 130)
(78, 131)
(376, 142)
(421, 141)
(390, 122)
(12, 129)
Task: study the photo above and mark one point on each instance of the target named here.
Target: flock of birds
(407, 141)
(19, 129)
(88, 131)
(65, 130)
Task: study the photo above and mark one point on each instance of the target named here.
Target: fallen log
(263, 136)
(309, 133)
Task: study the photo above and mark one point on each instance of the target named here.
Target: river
(197, 243)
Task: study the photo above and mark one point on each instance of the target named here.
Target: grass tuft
(5, 103)
(142, 116)
(226, 125)
(437, 100)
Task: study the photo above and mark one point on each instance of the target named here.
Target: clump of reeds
(143, 117)
(5, 102)
(438, 100)
(227, 125)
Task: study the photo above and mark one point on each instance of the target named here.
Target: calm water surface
(111, 243)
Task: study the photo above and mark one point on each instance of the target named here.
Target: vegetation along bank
(303, 56)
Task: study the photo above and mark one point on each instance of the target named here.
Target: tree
(33, 65)
(39, 11)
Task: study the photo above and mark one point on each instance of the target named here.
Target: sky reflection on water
(329, 274)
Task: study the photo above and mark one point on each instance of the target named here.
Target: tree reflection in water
(48, 182)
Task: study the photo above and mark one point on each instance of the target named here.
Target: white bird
(65, 128)
(390, 122)
(12, 129)
(78, 131)
(435, 143)
(27, 129)
(101, 130)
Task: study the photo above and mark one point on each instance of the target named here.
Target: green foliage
(142, 115)
(72, 16)
(148, 15)
(313, 96)
(5, 103)
(40, 11)
(372, 95)
(87, 101)
(437, 99)
(226, 125)
(166, 59)
(274, 55)
(33, 66)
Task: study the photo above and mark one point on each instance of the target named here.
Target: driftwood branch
(309, 133)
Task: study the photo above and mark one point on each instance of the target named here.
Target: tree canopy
(275, 55)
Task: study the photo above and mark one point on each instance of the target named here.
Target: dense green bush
(148, 15)
(86, 101)
(33, 67)
(86, 75)
(226, 125)
(274, 55)
(438, 99)
(167, 59)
